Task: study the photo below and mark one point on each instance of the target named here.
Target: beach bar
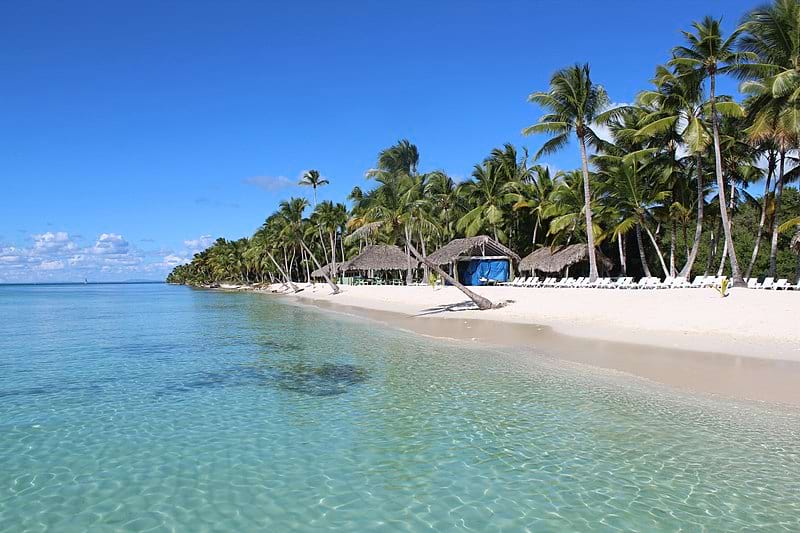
(477, 260)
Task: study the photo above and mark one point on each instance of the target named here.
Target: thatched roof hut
(380, 257)
(340, 267)
(557, 259)
(480, 246)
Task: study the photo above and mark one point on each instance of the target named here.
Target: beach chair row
(670, 282)
(771, 284)
(619, 283)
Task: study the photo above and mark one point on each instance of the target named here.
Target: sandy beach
(746, 345)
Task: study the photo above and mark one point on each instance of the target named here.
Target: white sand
(752, 323)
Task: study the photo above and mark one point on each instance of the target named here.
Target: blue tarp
(473, 271)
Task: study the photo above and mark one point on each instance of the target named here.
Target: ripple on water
(188, 410)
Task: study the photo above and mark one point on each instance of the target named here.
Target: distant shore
(746, 345)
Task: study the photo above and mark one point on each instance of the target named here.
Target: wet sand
(729, 375)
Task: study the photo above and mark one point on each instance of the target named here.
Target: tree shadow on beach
(466, 305)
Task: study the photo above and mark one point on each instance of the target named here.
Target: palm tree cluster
(664, 190)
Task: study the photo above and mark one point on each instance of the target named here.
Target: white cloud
(52, 265)
(270, 183)
(111, 244)
(50, 243)
(58, 256)
(199, 244)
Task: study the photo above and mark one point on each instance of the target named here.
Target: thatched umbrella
(380, 257)
(481, 245)
(557, 259)
(320, 272)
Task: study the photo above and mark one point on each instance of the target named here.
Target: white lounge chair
(767, 283)
(564, 282)
(578, 282)
(781, 284)
(532, 282)
(624, 283)
(698, 282)
(794, 287)
(680, 283)
(651, 283)
(753, 283)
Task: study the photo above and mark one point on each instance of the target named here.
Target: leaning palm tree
(573, 105)
(705, 55)
(312, 179)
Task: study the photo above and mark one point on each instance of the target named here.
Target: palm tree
(677, 111)
(400, 157)
(488, 195)
(295, 229)
(312, 179)
(637, 199)
(772, 37)
(705, 55)
(573, 105)
(534, 196)
(327, 219)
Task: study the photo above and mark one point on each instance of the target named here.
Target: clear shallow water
(147, 407)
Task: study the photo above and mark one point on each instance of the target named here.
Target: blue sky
(133, 133)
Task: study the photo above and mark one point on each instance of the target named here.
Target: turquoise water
(157, 408)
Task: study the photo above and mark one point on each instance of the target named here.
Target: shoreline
(737, 365)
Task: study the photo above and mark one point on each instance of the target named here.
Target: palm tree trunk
(698, 230)
(712, 251)
(763, 218)
(333, 257)
(283, 273)
(736, 273)
(424, 253)
(642, 256)
(797, 271)
(722, 259)
(773, 250)
(588, 211)
(725, 247)
(341, 245)
(658, 250)
(333, 285)
(672, 249)
(622, 262)
(409, 277)
(480, 301)
(535, 231)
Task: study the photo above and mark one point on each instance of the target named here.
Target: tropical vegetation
(663, 186)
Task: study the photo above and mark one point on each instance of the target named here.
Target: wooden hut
(379, 257)
(558, 259)
(476, 260)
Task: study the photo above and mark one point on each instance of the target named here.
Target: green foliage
(647, 181)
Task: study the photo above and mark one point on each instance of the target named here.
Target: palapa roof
(549, 259)
(470, 246)
(380, 257)
(318, 273)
